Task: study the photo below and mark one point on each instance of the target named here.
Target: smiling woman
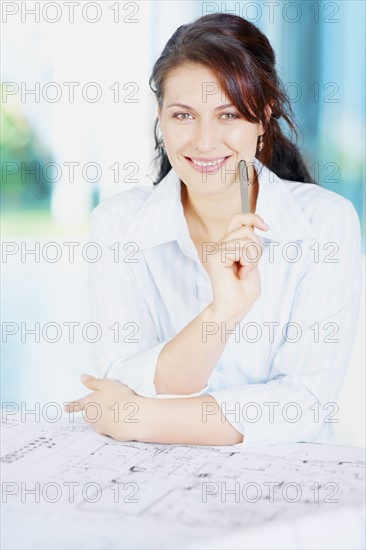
(210, 139)
(234, 61)
(245, 329)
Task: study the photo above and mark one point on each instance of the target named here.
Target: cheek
(240, 136)
(174, 136)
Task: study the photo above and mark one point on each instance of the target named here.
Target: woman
(245, 329)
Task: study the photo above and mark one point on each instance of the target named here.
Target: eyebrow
(191, 108)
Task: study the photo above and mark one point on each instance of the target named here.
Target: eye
(177, 115)
(234, 115)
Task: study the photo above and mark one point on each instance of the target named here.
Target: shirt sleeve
(127, 348)
(308, 369)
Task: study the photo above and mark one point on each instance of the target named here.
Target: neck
(212, 214)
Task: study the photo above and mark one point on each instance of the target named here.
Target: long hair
(244, 62)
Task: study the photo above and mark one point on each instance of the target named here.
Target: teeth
(199, 163)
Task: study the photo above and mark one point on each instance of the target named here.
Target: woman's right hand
(233, 267)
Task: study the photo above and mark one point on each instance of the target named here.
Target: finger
(244, 232)
(251, 253)
(74, 406)
(235, 251)
(92, 383)
(243, 250)
(251, 276)
(81, 403)
(251, 219)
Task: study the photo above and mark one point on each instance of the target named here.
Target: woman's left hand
(111, 408)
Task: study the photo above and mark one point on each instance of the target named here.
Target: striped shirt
(281, 371)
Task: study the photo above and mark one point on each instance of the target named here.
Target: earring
(260, 143)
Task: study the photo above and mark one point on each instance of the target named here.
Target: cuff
(137, 372)
(172, 395)
(278, 412)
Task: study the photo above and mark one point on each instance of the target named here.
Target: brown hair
(244, 62)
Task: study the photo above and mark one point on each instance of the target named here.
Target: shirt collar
(279, 207)
(161, 217)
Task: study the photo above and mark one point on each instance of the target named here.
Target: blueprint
(69, 487)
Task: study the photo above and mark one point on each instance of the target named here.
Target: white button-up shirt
(280, 374)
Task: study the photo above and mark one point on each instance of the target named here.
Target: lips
(207, 168)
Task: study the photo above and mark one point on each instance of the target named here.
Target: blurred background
(77, 120)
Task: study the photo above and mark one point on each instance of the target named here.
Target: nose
(206, 137)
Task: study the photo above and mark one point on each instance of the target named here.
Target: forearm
(183, 421)
(187, 361)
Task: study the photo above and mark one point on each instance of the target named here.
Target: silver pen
(244, 187)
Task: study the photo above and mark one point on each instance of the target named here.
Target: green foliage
(21, 154)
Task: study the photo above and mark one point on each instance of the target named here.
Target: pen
(244, 182)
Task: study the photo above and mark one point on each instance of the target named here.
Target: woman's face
(205, 130)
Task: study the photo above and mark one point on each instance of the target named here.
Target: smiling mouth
(214, 163)
(207, 167)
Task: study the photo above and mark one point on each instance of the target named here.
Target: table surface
(69, 487)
